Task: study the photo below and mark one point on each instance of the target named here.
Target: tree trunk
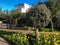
(37, 36)
(16, 23)
(10, 24)
(52, 25)
(7, 22)
(13, 23)
(37, 33)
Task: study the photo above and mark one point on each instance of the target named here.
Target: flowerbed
(16, 38)
(45, 39)
(23, 39)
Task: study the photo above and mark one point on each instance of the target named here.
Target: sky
(10, 4)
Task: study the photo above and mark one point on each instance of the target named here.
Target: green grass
(48, 29)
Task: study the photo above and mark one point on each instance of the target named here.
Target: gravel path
(3, 42)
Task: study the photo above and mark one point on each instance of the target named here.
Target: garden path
(3, 42)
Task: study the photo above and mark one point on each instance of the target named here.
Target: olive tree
(40, 16)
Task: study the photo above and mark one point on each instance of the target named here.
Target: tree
(40, 16)
(6, 17)
(54, 7)
(58, 1)
(15, 15)
(2, 15)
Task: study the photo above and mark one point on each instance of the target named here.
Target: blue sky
(10, 4)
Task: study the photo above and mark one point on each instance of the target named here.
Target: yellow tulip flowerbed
(30, 39)
(45, 39)
(15, 38)
(49, 39)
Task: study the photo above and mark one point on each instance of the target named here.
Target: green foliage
(46, 39)
(54, 6)
(40, 15)
(2, 15)
(15, 38)
(49, 39)
(45, 29)
(30, 39)
(48, 29)
(15, 13)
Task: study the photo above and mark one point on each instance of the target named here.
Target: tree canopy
(40, 15)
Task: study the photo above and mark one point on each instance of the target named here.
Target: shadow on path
(4, 42)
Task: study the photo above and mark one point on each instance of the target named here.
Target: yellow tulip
(55, 43)
(49, 41)
(56, 33)
(54, 39)
(45, 40)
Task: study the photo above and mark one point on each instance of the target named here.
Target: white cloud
(25, 8)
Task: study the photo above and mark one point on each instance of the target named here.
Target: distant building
(23, 7)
